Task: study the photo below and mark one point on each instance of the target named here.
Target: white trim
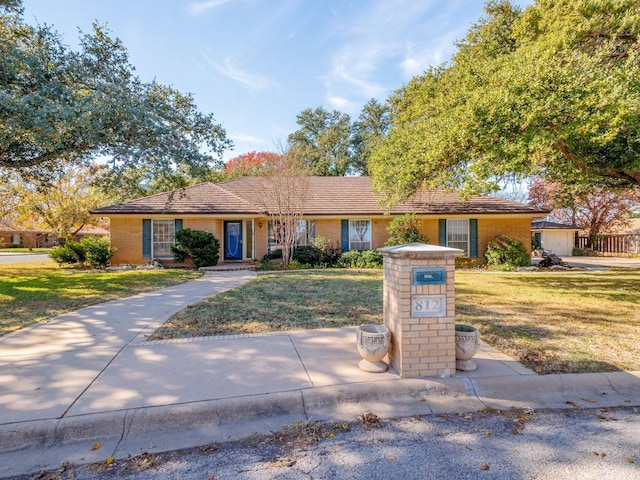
(370, 232)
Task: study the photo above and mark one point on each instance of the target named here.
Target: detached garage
(553, 237)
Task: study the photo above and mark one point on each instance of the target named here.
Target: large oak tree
(553, 90)
(59, 105)
(330, 144)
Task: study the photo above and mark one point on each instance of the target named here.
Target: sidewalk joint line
(301, 362)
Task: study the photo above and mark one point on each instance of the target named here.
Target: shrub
(98, 251)
(506, 253)
(329, 252)
(405, 229)
(93, 251)
(200, 246)
(578, 252)
(276, 254)
(297, 265)
(361, 259)
(309, 254)
(72, 253)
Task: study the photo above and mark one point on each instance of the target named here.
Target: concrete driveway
(602, 263)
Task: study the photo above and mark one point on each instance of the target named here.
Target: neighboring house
(553, 237)
(343, 210)
(13, 236)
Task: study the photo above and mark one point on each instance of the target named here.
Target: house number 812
(428, 306)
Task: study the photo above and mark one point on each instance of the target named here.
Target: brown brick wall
(329, 229)
(518, 228)
(260, 247)
(126, 236)
(379, 234)
(213, 226)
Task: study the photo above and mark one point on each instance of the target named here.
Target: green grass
(32, 292)
(552, 321)
(284, 301)
(556, 322)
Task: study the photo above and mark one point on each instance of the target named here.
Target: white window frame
(305, 232)
(359, 242)
(456, 233)
(169, 233)
(305, 228)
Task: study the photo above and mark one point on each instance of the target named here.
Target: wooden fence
(615, 243)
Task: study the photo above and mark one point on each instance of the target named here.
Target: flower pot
(467, 339)
(373, 344)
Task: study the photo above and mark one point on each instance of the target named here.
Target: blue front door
(233, 240)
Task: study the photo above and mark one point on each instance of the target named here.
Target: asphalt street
(518, 444)
(7, 258)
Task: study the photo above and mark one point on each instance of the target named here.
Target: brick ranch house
(343, 210)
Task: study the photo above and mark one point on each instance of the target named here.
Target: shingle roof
(325, 196)
(546, 225)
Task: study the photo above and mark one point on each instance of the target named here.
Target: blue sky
(256, 64)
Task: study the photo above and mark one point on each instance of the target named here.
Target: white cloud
(198, 8)
(411, 67)
(239, 137)
(246, 143)
(389, 32)
(251, 80)
(341, 103)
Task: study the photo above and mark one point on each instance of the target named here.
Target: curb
(33, 446)
(386, 398)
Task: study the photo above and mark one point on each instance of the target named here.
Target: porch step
(228, 267)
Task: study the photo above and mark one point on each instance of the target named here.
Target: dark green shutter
(177, 223)
(146, 238)
(473, 238)
(344, 236)
(442, 232)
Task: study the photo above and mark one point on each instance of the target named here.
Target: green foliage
(275, 255)
(200, 246)
(553, 90)
(505, 253)
(71, 253)
(405, 229)
(534, 243)
(296, 265)
(92, 251)
(578, 252)
(307, 254)
(331, 145)
(323, 141)
(62, 104)
(361, 259)
(98, 251)
(321, 254)
(330, 252)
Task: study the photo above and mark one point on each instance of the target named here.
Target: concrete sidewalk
(91, 377)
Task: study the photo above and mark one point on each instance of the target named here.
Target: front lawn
(32, 292)
(550, 321)
(556, 322)
(284, 301)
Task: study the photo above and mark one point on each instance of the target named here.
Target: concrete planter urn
(467, 338)
(373, 345)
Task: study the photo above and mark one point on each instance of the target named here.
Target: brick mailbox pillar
(419, 308)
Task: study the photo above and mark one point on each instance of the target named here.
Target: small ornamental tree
(405, 229)
(200, 246)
